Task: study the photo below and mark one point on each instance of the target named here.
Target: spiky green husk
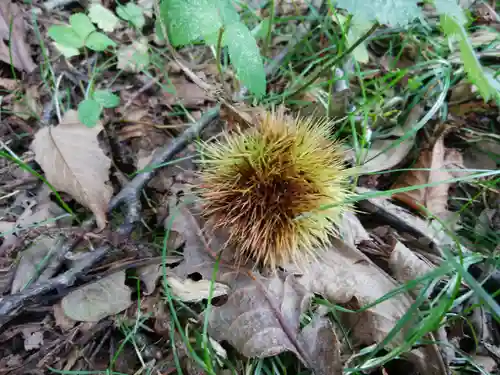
(279, 189)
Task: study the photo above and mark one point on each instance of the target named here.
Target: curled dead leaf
(435, 198)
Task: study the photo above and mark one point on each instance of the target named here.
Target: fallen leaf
(426, 231)
(34, 214)
(31, 260)
(18, 52)
(187, 93)
(33, 338)
(98, 300)
(379, 157)
(258, 319)
(407, 265)
(351, 230)
(62, 321)
(8, 84)
(73, 162)
(192, 291)
(323, 346)
(434, 198)
(345, 275)
(150, 274)
(29, 106)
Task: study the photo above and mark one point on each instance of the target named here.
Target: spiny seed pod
(278, 188)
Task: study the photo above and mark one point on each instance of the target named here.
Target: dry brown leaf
(62, 321)
(29, 106)
(8, 84)
(262, 319)
(73, 162)
(192, 291)
(406, 265)
(31, 259)
(344, 275)
(434, 198)
(10, 13)
(351, 230)
(323, 346)
(96, 301)
(378, 158)
(33, 338)
(187, 93)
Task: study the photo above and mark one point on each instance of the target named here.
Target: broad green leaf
(488, 86)
(81, 25)
(245, 57)
(98, 41)
(190, 20)
(103, 17)
(67, 52)
(386, 12)
(132, 13)
(450, 8)
(106, 98)
(65, 36)
(89, 112)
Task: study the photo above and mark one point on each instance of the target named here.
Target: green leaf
(190, 20)
(81, 25)
(488, 86)
(133, 14)
(103, 17)
(387, 12)
(245, 57)
(89, 112)
(65, 36)
(67, 52)
(98, 41)
(106, 98)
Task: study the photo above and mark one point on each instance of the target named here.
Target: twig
(129, 195)
(10, 306)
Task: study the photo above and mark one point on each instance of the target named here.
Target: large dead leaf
(345, 275)
(98, 300)
(262, 319)
(13, 46)
(439, 160)
(73, 162)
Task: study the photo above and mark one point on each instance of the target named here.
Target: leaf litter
(157, 310)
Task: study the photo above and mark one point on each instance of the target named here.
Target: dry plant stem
(11, 305)
(129, 195)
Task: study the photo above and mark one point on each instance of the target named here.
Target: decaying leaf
(323, 346)
(133, 58)
(18, 50)
(29, 105)
(98, 300)
(434, 198)
(187, 93)
(62, 321)
(31, 260)
(384, 154)
(192, 291)
(73, 162)
(407, 265)
(150, 274)
(351, 230)
(345, 275)
(262, 319)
